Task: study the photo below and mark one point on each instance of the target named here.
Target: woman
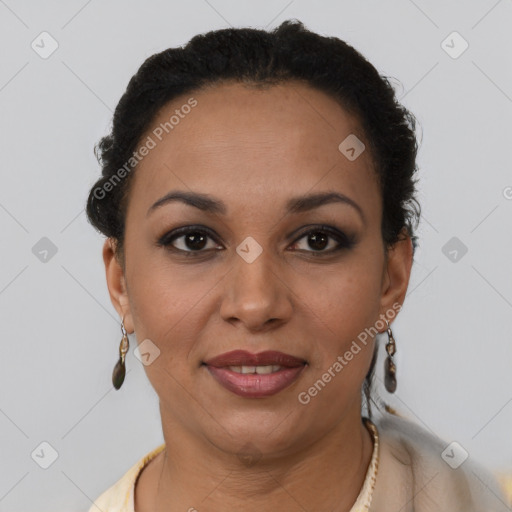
(258, 202)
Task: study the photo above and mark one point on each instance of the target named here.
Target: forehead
(274, 140)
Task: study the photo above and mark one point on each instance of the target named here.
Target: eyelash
(344, 241)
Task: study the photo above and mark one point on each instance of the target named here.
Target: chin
(267, 433)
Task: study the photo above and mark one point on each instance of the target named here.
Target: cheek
(346, 298)
(170, 306)
(341, 307)
(167, 318)
(162, 308)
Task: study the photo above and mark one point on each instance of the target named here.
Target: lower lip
(252, 385)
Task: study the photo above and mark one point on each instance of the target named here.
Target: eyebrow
(298, 204)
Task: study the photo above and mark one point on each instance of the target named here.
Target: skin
(255, 149)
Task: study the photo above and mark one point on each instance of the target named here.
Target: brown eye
(188, 240)
(318, 240)
(324, 240)
(194, 240)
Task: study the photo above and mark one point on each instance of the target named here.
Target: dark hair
(289, 53)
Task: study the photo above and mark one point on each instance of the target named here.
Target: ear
(116, 284)
(396, 275)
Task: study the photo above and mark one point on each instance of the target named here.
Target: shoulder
(431, 473)
(505, 480)
(119, 497)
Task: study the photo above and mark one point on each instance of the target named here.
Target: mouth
(255, 375)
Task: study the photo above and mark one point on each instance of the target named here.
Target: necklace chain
(160, 480)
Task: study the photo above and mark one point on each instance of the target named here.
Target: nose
(256, 294)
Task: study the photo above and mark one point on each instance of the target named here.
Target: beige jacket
(415, 474)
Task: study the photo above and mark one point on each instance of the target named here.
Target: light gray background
(59, 332)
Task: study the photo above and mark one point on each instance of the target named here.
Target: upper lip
(244, 358)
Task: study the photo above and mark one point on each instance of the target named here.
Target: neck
(326, 475)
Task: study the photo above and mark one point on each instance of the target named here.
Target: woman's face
(247, 276)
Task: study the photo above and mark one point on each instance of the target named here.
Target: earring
(389, 365)
(119, 369)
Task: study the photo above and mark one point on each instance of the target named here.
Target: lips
(244, 358)
(255, 375)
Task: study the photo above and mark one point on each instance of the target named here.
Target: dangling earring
(389, 365)
(120, 369)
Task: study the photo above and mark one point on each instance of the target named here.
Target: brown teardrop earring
(119, 369)
(389, 365)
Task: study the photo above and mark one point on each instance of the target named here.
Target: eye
(323, 237)
(189, 240)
